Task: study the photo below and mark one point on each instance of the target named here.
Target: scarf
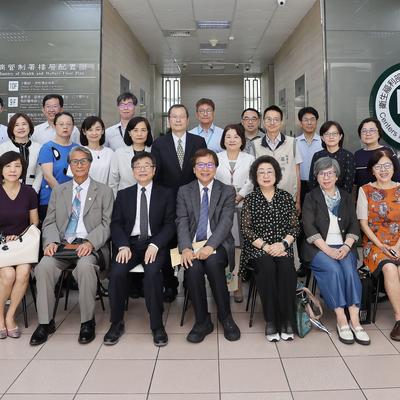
(24, 151)
(332, 202)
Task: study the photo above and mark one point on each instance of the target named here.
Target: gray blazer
(96, 216)
(220, 214)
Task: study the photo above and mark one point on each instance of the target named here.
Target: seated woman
(18, 209)
(378, 209)
(20, 130)
(331, 228)
(269, 228)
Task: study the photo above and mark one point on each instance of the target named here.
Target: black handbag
(367, 283)
(67, 252)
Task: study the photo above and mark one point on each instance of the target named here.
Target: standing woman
(18, 209)
(269, 227)
(53, 159)
(233, 169)
(138, 138)
(332, 136)
(20, 129)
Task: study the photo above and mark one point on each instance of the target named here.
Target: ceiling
(257, 31)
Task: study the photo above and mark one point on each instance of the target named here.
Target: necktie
(203, 219)
(144, 220)
(70, 232)
(180, 153)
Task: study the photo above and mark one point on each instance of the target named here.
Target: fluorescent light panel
(213, 24)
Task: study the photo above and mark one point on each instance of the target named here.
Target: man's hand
(204, 252)
(124, 255)
(150, 255)
(298, 207)
(187, 257)
(84, 249)
(50, 249)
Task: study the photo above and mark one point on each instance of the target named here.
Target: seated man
(88, 225)
(204, 210)
(143, 222)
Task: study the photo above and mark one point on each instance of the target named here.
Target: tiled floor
(315, 367)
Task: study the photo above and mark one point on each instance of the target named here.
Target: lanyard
(212, 133)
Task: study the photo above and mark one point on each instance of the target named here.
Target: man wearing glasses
(43, 133)
(205, 112)
(204, 212)
(284, 149)
(251, 121)
(127, 105)
(79, 214)
(140, 233)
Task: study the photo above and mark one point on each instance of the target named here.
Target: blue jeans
(337, 280)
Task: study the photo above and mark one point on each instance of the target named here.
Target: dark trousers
(170, 280)
(214, 267)
(118, 286)
(304, 190)
(276, 281)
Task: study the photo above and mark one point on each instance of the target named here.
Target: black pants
(118, 286)
(214, 267)
(276, 281)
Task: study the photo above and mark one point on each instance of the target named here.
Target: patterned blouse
(267, 220)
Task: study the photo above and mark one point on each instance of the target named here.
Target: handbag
(67, 252)
(24, 250)
(367, 284)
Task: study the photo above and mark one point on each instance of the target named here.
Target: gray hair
(80, 148)
(325, 163)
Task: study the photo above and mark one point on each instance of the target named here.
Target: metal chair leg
(25, 311)
(250, 291)
(32, 286)
(376, 299)
(185, 304)
(253, 305)
(99, 292)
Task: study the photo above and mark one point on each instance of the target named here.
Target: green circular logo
(384, 104)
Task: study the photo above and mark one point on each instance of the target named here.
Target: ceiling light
(177, 33)
(212, 51)
(213, 24)
(83, 5)
(353, 51)
(213, 42)
(213, 67)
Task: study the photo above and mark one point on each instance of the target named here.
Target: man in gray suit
(204, 211)
(79, 213)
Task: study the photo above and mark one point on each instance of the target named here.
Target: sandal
(103, 291)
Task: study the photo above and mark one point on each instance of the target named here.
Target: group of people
(121, 198)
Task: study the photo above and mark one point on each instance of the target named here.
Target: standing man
(173, 152)
(79, 213)
(251, 122)
(140, 233)
(3, 128)
(43, 133)
(127, 105)
(284, 149)
(205, 112)
(204, 211)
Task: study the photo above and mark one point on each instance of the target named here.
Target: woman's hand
(333, 253)
(386, 250)
(344, 250)
(275, 249)
(11, 238)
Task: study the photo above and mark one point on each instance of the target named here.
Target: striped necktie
(70, 232)
(203, 219)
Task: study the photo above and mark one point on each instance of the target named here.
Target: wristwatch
(286, 244)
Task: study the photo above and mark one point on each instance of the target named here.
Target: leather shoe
(87, 333)
(345, 334)
(117, 329)
(200, 331)
(302, 271)
(170, 294)
(231, 330)
(42, 332)
(160, 337)
(395, 334)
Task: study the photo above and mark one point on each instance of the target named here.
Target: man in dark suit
(143, 222)
(173, 152)
(204, 211)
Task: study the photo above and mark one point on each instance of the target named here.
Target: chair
(378, 281)
(24, 307)
(137, 270)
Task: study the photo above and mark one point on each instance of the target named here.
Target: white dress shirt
(176, 138)
(114, 137)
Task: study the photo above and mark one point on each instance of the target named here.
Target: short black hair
(239, 130)
(250, 109)
(131, 125)
(178, 106)
(325, 126)
(204, 100)
(273, 108)
(53, 96)
(378, 154)
(1, 102)
(143, 154)
(204, 152)
(10, 156)
(375, 121)
(127, 96)
(308, 110)
(262, 160)
(87, 124)
(63, 113)
(12, 122)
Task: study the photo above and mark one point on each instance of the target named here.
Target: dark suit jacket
(161, 216)
(220, 214)
(168, 172)
(315, 219)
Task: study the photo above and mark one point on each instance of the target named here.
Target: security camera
(247, 67)
(281, 3)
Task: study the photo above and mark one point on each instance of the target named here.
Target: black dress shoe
(170, 294)
(200, 331)
(160, 337)
(302, 272)
(42, 332)
(231, 330)
(87, 333)
(117, 329)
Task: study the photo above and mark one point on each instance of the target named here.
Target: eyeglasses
(68, 124)
(313, 119)
(329, 174)
(371, 131)
(334, 134)
(269, 172)
(130, 105)
(82, 161)
(378, 167)
(247, 119)
(203, 165)
(182, 117)
(275, 120)
(202, 112)
(51, 107)
(145, 167)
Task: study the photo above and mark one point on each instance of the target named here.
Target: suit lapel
(215, 195)
(132, 205)
(155, 192)
(188, 150)
(319, 197)
(90, 197)
(68, 197)
(170, 148)
(195, 198)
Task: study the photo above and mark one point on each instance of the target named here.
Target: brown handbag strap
(308, 307)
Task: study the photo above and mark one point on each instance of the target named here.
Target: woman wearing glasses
(378, 209)
(269, 227)
(332, 136)
(331, 228)
(53, 159)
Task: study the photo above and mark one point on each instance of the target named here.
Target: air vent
(350, 51)
(379, 35)
(15, 36)
(206, 48)
(179, 33)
